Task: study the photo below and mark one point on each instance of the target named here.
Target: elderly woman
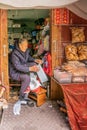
(21, 63)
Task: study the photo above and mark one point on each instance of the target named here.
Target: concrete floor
(45, 117)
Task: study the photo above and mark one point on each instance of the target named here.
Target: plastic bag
(34, 83)
(17, 108)
(62, 76)
(41, 74)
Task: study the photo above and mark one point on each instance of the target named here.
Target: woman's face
(24, 45)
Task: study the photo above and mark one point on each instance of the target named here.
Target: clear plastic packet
(41, 74)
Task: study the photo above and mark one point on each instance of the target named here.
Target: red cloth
(75, 96)
(47, 64)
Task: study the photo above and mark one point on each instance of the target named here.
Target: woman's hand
(38, 61)
(34, 68)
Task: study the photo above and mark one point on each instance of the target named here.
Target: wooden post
(4, 51)
(56, 46)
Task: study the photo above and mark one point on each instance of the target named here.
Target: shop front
(59, 37)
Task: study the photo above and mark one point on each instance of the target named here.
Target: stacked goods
(77, 34)
(71, 52)
(74, 52)
(70, 65)
(82, 52)
(78, 70)
(62, 76)
(71, 71)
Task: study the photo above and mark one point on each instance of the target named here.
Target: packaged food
(78, 79)
(62, 77)
(71, 52)
(77, 34)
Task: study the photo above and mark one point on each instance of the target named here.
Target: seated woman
(21, 64)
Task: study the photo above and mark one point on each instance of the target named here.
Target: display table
(75, 97)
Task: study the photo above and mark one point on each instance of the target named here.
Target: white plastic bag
(41, 74)
(17, 108)
(34, 83)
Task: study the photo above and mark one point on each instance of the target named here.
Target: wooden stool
(40, 97)
(14, 83)
(14, 87)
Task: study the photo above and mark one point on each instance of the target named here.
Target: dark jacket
(19, 62)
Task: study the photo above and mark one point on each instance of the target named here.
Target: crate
(39, 97)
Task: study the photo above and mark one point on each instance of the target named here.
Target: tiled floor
(45, 117)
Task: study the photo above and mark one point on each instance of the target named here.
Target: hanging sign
(61, 16)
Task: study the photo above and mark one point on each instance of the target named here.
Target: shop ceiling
(77, 6)
(31, 14)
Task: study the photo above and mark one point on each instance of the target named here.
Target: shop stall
(69, 67)
(67, 64)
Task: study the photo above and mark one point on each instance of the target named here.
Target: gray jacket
(19, 62)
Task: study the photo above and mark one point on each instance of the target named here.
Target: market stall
(69, 67)
(64, 47)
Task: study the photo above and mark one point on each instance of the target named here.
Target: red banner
(61, 16)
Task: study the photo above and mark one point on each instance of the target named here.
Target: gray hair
(22, 38)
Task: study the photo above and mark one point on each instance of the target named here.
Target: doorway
(34, 23)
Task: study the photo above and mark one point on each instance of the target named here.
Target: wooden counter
(56, 88)
(75, 98)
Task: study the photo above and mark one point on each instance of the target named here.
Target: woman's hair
(22, 38)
